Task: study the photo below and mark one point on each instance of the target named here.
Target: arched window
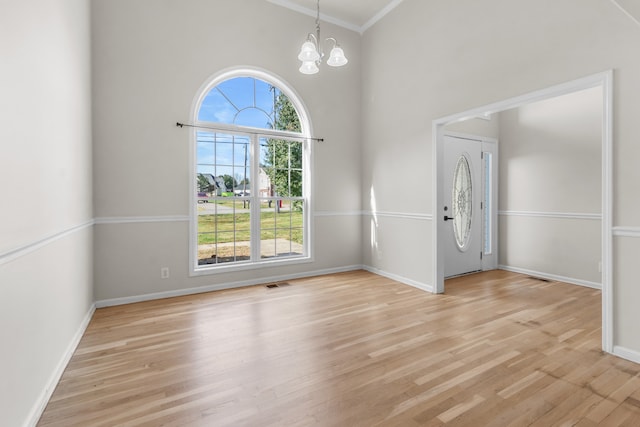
(251, 198)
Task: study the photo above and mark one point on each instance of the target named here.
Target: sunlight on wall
(374, 225)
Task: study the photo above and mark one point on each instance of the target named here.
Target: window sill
(209, 270)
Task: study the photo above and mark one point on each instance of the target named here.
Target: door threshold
(463, 274)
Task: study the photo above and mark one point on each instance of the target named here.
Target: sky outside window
(242, 101)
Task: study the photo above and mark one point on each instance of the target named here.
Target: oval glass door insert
(461, 201)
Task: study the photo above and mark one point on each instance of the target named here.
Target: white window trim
(255, 134)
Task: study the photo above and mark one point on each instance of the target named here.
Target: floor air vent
(277, 285)
(541, 279)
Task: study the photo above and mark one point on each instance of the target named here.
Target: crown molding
(360, 29)
(626, 12)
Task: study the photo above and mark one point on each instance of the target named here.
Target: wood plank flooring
(352, 349)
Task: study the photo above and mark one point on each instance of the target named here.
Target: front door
(462, 206)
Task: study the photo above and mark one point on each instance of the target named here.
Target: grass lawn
(232, 202)
(285, 224)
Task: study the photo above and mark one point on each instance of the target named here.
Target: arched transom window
(251, 175)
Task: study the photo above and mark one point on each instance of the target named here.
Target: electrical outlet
(164, 273)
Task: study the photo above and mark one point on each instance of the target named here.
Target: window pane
(241, 152)
(225, 247)
(268, 214)
(241, 181)
(216, 108)
(224, 153)
(286, 117)
(274, 153)
(297, 215)
(268, 228)
(243, 251)
(296, 183)
(267, 243)
(297, 240)
(242, 224)
(296, 155)
(266, 155)
(206, 234)
(238, 91)
(265, 189)
(265, 96)
(283, 215)
(283, 242)
(205, 152)
(281, 182)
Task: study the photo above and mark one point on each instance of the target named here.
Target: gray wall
(550, 187)
(427, 60)
(478, 127)
(46, 288)
(150, 59)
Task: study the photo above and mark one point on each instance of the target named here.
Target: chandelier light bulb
(309, 67)
(308, 52)
(337, 58)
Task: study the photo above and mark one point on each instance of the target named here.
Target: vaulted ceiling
(356, 15)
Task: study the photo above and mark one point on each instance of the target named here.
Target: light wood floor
(352, 349)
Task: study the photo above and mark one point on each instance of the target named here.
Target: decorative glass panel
(461, 201)
(247, 101)
(488, 167)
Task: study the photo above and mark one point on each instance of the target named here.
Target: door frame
(603, 80)
(488, 145)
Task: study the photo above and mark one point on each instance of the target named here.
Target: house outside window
(251, 181)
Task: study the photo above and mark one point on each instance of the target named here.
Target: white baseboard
(217, 287)
(43, 399)
(410, 282)
(626, 353)
(555, 277)
(202, 289)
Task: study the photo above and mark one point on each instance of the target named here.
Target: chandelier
(311, 53)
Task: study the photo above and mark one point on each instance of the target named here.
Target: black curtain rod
(178, 124)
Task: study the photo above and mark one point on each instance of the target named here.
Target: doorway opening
(470, 203)
(605, 82)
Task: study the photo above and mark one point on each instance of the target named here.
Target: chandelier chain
(318, 19)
